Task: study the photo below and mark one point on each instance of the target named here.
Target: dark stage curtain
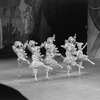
(55, 12)
(65, 16)
(56, 15)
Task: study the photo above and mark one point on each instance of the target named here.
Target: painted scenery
(21, 20)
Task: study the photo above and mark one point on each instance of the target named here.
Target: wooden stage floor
(59, 87)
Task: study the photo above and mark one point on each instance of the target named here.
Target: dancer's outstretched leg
(79, 66)
(89, 61)
(59, 65)
(25, 60)
(46, 66)
(55, 63)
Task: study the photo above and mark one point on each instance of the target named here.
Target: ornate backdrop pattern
(22, 20)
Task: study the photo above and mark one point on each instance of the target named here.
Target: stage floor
(58, 87)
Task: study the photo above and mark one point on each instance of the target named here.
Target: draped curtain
(56, 15)
(94, 28)
(55, 12)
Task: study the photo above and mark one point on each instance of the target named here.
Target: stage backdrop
(93, 32)
(22, 20)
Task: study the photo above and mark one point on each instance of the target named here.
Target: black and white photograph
(49, 50)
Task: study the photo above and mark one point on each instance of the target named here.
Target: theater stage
(59, 87)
